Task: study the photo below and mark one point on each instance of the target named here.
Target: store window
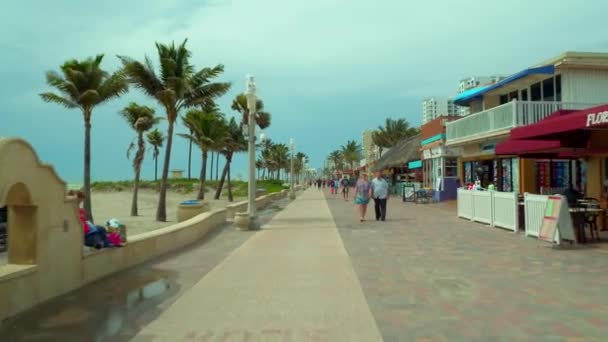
(535, 92)
(503, 99)
(548, 90)
(451, 167)
(558, 88)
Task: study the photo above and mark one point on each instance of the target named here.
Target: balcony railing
(499, 120)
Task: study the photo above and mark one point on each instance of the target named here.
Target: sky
(326, 69)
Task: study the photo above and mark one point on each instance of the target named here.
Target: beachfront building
(401, 163)
(434, 107)
(474, 82)
(570, 81)
(439, 163)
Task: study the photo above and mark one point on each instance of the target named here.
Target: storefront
(440, 170)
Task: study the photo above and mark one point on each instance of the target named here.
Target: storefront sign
(600, 118)
(452, 152)
(436, 152)
(487, 148)
(426, 154)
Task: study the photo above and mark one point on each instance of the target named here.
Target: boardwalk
(316, 274)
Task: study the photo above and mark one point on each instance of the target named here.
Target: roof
(476, 93)
(403, 152)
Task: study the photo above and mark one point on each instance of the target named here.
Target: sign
(436, 152)
(557, 222)
(452, 151)
(426, 154)
(598, 118)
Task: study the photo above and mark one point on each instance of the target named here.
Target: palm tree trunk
(263, 173)
(220, 186)
(139, 158)
(211, 168)
(156, 168)
(161, 211)
(87, 166)
(203, 178)
(190, 158)
(279, 174)
(217, 166)
(228, 164)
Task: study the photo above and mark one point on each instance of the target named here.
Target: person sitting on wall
(94, 236)
(113, 228)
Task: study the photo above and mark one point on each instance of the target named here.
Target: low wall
(28, 285)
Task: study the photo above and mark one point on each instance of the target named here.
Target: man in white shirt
(379, 190)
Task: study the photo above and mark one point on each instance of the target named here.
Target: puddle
(102, 311)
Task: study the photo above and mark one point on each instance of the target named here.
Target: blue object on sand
(189, 202)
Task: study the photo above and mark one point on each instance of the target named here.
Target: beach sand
(107, 205)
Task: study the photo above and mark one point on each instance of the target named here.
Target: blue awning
(466, 97)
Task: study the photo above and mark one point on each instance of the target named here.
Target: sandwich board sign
(557, 223)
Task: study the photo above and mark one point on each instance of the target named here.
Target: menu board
(557, 223)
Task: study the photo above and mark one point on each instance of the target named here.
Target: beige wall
(46, 238)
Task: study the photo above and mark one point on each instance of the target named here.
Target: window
(548, 90)
(504, 99)
(535, 92)
(451, 167)
(524, 95)
(513, 96)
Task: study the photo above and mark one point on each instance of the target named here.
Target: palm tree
(206, 131)
(393, 132)
(156, 139)
(279, 155)
(234, 141)
(141, 119)
(299, 164)
(350, 153)
(336, 158)
(176, 87)
(84, 85)
(262, 118)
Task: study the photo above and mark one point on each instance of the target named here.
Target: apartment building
(434, 107)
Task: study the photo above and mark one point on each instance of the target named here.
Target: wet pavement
(429, 276)
(118, 307)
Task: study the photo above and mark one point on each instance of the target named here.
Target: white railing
(465, 203)
(500, 119)
(534, 211)
(505, 210)
(482, 207)
(498, 209)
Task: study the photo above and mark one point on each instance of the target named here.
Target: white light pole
(292, 192)
(252, 108)
(303, 180)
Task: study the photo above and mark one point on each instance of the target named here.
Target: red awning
(521, 147)
(563, 123)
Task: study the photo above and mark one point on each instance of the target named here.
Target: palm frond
(141, 76)
(54, 98)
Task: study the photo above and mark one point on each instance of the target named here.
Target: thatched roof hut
(399, 155)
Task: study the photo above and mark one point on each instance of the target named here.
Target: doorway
(21, 226)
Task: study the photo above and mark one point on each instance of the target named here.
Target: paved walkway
(292, 281)
(429, 276)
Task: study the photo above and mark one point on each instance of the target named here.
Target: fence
(498, 209)
(534, 211)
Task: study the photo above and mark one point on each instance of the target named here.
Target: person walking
(344, 183)
(379, 190)
(362, 192)
(336, 186)
(332, 189)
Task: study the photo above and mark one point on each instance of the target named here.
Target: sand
(107, 205)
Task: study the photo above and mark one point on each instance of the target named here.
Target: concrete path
(292, 281)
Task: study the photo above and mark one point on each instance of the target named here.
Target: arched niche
(22, 225)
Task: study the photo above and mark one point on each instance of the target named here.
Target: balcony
(499, 120)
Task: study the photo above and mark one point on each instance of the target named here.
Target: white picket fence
(498, 209)
(535, 211)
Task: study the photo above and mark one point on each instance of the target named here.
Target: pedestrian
(336, 186)
(362, 192)
(319, 184)
(344, 182)
(323, 182)
(331, 186)
(379, 190)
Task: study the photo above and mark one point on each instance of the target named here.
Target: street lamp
(303, 180)
(250, 93)
(292, 192)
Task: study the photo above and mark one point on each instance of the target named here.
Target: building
(474, 82)
(570, 81)
(435, 107)
(439, 163)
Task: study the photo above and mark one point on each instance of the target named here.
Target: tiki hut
(397, 158)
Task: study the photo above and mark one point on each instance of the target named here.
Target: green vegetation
(186, 186)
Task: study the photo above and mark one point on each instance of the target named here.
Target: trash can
(188, 209)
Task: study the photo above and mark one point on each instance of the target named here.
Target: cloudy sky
(327, 69)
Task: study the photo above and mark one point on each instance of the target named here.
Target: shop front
(440, 171)
(479, 162)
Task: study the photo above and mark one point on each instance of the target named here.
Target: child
(113, 228)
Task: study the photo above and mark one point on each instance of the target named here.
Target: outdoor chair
(591, 218)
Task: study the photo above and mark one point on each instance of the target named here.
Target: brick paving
(429, 276)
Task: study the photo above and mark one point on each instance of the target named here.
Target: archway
(22, 225)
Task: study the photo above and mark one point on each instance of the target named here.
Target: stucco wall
(37, 204)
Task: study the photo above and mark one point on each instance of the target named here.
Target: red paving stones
(429, 276)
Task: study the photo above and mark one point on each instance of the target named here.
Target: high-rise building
(473, 82)
(434, 107)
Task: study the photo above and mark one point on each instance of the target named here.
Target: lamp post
(252, 108)
(292, 192)
(303, 180)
